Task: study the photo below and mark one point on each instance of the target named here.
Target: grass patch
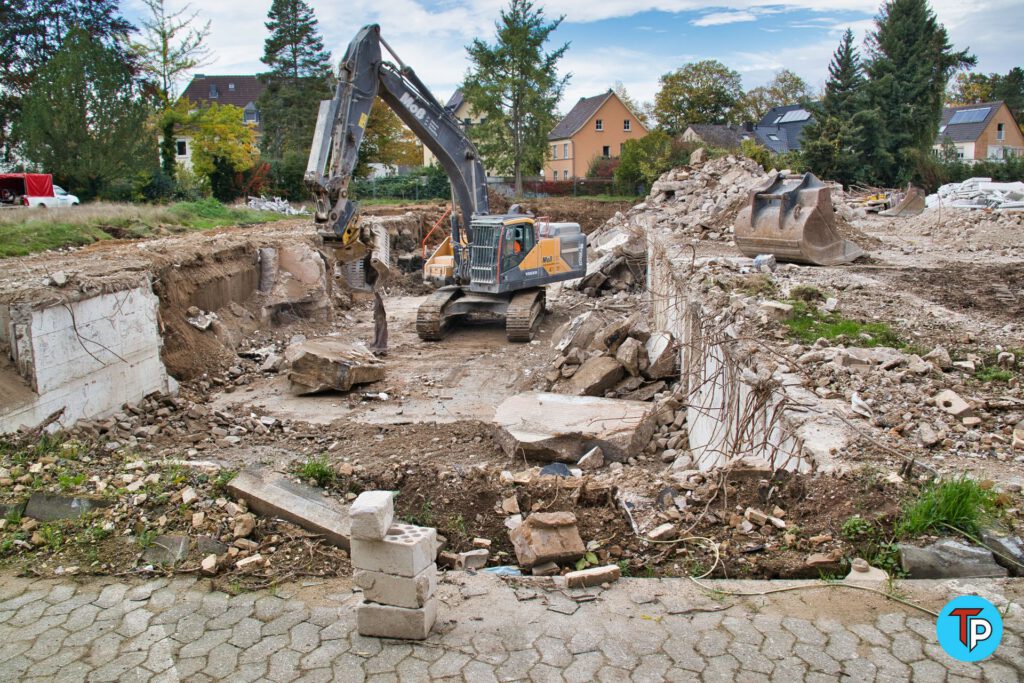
(755, 285)
(991, 373)
(960, 505)
(809, 324)
(318, 470)
(26, 231)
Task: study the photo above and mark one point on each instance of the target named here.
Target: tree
(83, 118)
(514, 86)
(169, 47)
(700, 92)
(33, 31)
(640, 111)
(386, 141)
(1010, 89)
(837, 142)
(222, 145)
(299, 77)
(910, 62)
(969, 87)
(785, 88)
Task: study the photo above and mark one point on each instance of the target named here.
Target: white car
(60, 199)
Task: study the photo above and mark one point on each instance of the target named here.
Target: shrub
(955, 505)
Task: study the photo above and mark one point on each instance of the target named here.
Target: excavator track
(525, 311)
(431, 322)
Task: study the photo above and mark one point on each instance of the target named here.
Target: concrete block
(951, 402)
(662, 352)
(405, 551)
(397, 591)
(274, 495)
(594, 576)
(547, 537)
(564, 428)
(47, 507)
(330, 364)
(596, 376)
(372, 514)
(387, 621)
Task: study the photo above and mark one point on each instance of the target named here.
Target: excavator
(491, 267)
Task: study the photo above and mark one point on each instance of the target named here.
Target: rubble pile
(275, 204)
(620, 266)
(980, 193)
(967, 231)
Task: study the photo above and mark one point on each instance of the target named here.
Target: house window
(773, 137)
(231, 87)
(565, 174)
(182, 147)
(214, 93)
(599, 125)
(1000, 131)
(627, 125)
(554, 151)
(606, 151)
(565, 150)
(467, 122)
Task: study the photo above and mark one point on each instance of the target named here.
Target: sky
(612, 40)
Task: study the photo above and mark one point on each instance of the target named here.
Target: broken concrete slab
(47, 507)
(330, 364)
(580, 332)
(278, 496)
(563, 428)
(632, 355)
(596, 376)
(662, 353)
(166, 549)
(547, 537)
(948, 559)
(951, 402)
(1007, 549)
(594, 576)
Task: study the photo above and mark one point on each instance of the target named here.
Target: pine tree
(845, 80)
(910, 63)
(299, 77)
(514, 86)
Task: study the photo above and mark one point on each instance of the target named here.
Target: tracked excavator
(490, 267)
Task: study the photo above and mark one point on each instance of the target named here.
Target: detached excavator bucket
(792, 218)
(912, 204)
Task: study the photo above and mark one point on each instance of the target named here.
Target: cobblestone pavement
(639, 630)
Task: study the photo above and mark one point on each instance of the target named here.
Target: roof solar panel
(970, 116)
(795, 115)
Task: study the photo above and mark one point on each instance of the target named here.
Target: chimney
(748, 126)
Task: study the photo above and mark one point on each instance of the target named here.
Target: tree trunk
(519, 178)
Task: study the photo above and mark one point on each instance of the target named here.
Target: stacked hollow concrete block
(394, 565)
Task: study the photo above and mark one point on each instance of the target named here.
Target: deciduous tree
(700, 92)
(222, 145)
(515, 87)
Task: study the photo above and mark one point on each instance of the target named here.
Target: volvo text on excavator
(491, 266)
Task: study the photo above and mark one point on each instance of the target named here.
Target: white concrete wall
(89, 357)
(727, 417)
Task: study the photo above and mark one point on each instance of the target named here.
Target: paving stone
(284, 623)
(284, 666)
(518, 665)
(120, 669)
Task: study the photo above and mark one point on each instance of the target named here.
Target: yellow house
(986, 130)
(463, 112)
(596, 127)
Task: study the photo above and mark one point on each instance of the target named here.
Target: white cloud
(722, 18)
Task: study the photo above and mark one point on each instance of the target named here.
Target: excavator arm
(341, 125)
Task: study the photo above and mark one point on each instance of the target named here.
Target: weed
(588, 560)
(318, 470)
(624, 568)
(146, 538)
(989, 373)
(806, 293)
(175, 474)
(52, 537)
(808, 325)
(957, 504)
(13, 516)
(856, 528)
(68, 481)
(223, 478)
(458, 523)
(425, 517)
(754, 285)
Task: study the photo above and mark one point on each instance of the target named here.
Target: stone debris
(48, 507)
(560, 427)
(596, 376)
(330, 364)
(979, 193)
(862, 572)
(398, 575)
(948, 559)
(275, 204)
(547, 537)
(278, 496)
(594, 576)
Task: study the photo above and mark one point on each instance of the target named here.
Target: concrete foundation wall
(727, 416)
(89, 357)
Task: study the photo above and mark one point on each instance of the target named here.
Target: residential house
(240, 91)
(986, 130)
(718, 135)
(462, 110)
(595, 127)
(781, 128)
